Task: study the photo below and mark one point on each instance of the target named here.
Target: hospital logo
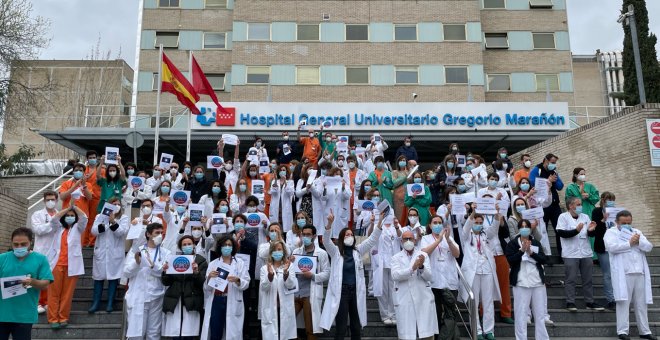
(216, 161)
(180, 197)
(136, 182)
(253, 220)
(181, 264)
(417, 189)
(305, 264)
(368, 206)
(210, 115)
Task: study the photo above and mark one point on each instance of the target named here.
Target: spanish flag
(174, 82)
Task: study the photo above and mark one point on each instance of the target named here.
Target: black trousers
(348, 309)
(551, 214)
(18, 331)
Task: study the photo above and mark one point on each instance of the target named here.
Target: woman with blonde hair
(278, 280)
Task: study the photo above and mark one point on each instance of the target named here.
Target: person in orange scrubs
(90, 176)
(311, 147)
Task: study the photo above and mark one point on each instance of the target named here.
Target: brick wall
(13, 214)
(615, 153)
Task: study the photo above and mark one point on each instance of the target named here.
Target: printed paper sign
(135, 231)
(258, 188)
(460, 159)
(286, 149)
(253, 156)
(469, 197)
(486, 206)
(542, 190)
(111, 154)
(196, 211)
(137, 183)
(218, 223)
(303, 263)
(180, 264)
(214, 162)
(476, 171)
(12, 286)
(384, 207)
(366, 205)
(625, 234)
(311, 175)
(180, 197)
(532, 214)
(457, 204)
(412, 171)
(342, 144)
(245, 258)
(333, 183)
(108, 209)
(159, 207)
(415, 189)
(327, 124)
(360, 150)
(166, 160)
(229, 139)
(220, 282)
(264, 166)
(611, 213)
(253, 220)
(377, 138)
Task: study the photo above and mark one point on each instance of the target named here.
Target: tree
(16, 164)
(649, 58)
(22, 36)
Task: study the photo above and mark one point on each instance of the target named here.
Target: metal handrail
(45, 187)
(472, 306)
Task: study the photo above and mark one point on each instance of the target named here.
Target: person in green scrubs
(112, 183)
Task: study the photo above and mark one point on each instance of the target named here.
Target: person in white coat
(479, 270)
(44, 236)
(309, 297)
(415, 306)
(631, 278)
(338, 201)
(346, 296)
(140, 222)
(144, 298)
(276, 294)
(319, 197)
(389, 244)
(110, 232)
(176, 217)
(282, 192)
(231, 168)
(225, 310)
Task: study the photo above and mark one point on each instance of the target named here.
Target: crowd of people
(320, 212)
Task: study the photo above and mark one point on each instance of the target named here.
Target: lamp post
(629, 19)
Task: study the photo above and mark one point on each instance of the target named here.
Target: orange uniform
(81, 202)
(88, 238)
(520, 174)
(60, 292)
(311, 149)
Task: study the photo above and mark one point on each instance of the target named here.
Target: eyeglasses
(408, 238)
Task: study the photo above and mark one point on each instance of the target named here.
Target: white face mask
(158, 239)
(348, 241)
(50, 204)
(505, 166)
(528, 164)
(409, 245)
(228, 166)
(251, 209)
(146, 211)
(413, 220)
(196, 233)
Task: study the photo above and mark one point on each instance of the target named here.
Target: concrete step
(83, 304)
(84, 318)
(98, 331)
(88, 292)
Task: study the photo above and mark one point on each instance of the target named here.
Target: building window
(217, 81)
(258, 74)
(307, 32)
(168, 39)
(214, 40)
(540, 3)
(357, 32)
(154, 82)
(454, 32)
(405, 32)
(490, 4)
(456, 75)
(497, 40)
(546, 82)
(357, 75)
(258, 31)
(307, 75)
(499, 82)
(168, 3)
(544, 41)
(216, 4)
(407, 75)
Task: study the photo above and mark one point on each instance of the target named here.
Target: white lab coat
(154, 182)
(301, 191)
(273, 293)
(316, 287)
(333, 293)
(44, 239)
(443, 263)
(207, 201)
(339, 203)
(280, 200)
(469, 265)
(231, 177)
(174, 223)
(109, 248)
(619, 251)
(176, 181)
(142, 240)
(413, 298)
(319, 201)
(144, 286)
(388, 244)
(74, 242)
(235, 307)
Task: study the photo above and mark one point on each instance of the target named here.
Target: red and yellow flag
(175, 83)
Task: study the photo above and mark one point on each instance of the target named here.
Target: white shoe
(393, 321)
(387, 321)
(529, 321)
(41, 309)
(549, 322)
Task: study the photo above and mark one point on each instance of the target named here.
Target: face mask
(328, 139)
(239, 226)
(323, 172)
(272, 235)
(450, 165)
(505, 166)
(469, 167)
(21, 252)
(525, 232)
(582, 178)
(301, 222)
(70, 220)
(224, 209)
(174, 171)
(118, 209)
(112, 174)
(257, 144)
(380, 165)
(242, 187)
(158, 239)
(180, 209)
(215, 190)
(503, 155)
(340, 163)
(462, 188)
(285, 137)
(492, 184)
(402, 164)
(186, 170)
(253, 173)
(432, 176)
(282, 173)
(77, 174)
(156, 173)
(609, 204)
(367, 188)
(477, 228)
(187, 250)
(311, 135)
(348, 241)
(278, 255)
(417, 180)
(146, 211)
(228, 166)
(307, 240)
(165, 190)
(408, 245)
(528, 164)
(520, 208)
(375, 199)
(196, 233)
(552, 166)
(199, 175)
(454, 149)
(226, 250)
(407, 143)
(92, 161)
(524, 187)
(50, 204)
(251, 209)
(130, 172)
(436, 228)
(292, 168)
(578, 209)
(626, 226)
(273, 166)
(413, 220)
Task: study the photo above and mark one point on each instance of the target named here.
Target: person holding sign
(603, 223)
(382, 179)
(198, 185)
(281, 192)
(139, 225)
(238, 199)
(231, 169)
(112, 183)
(76, 189)
(286, 150)
(157, 179)
(526, 258)
(400, 179)
(311, 147)
(110, 231)
(631, 277)
(304, 199)
(548, 170)
(224, 309)
(338, 199)
(309, 296)
(421, 202)
(202, 238)
(215, 192)
(276, 294)
(32, 273)
(573, 228)
(183, 303)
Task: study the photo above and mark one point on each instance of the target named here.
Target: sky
(78, 24)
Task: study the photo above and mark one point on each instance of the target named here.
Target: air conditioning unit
(540, 3)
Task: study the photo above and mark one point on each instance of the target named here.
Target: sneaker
(393, 321)
(41, 309)
(387, 322)
(490, 336)
(571, 307)
(55, 325)
(648, 336)
(611, 306)
(595, 306)
(480, 337)
(508, 320)
(624, 337)
(549, 322)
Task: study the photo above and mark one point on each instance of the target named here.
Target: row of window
(501, 4)
(211, 40)
(541, 41)
(217, 81)
(211, 4)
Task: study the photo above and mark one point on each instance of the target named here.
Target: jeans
(604, 260)
(18, 331)
(551, 214)
(571, 268)
(348, 309)
(218, 317)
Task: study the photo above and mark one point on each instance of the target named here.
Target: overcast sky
(77, 25)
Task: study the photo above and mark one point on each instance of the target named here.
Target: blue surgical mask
(380, 165)
(525, 232)
(307, 240)
(402, 164)
(375, 199)
(215, 190)
(578, 209)
(180, 209)
(503, 155)
(21, 252)
(450, 165)
(301, 222)
(367, 188)
(524, 187)
(239, 226)
(552, 166)
(282, 173)
(626, 226)
(520, 208)
(492, 184)
(462, 188)
(130, 172)
(226, 250)
(156, 173)
(417, 180)
(432, 176)
(186, 171)
(77, 174)
(477, 228)
(323, 172)
(272, 235)
(436, 228)
(609, 204)
(165, 190)
(70, 220)
(223, 209)
(92, 161)
(242, 187)
(278, 255)
(187, 250)
(469, 167)
(199, 175)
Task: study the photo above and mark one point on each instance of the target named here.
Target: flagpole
(190, 120)
(160, 85)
